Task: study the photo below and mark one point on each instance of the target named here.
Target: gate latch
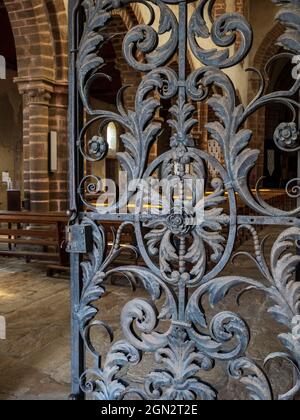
(79, 239)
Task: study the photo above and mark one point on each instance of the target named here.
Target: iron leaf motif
(178, 380)
(183, 258)
(289, 17)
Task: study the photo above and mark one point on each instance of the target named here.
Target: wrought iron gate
(182, 257)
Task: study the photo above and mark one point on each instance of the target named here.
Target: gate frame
(265, 215)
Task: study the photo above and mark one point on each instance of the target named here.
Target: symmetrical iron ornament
(182, 261)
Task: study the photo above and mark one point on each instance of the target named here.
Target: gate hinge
(79, 239)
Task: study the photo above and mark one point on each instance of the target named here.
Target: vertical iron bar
(295, 373)
(182, 50)
(75, 174)
(298, 200)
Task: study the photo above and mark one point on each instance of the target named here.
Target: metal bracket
(79, 239)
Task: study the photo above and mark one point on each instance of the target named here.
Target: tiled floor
(34, 359)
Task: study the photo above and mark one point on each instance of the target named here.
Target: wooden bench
(34, 236)
(24, 232)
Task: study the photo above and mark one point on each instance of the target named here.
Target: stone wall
(10, 134)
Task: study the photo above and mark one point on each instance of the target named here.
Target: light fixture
(2, 68)
(53, 161)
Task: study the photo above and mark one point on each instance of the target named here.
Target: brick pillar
(58, 112)
(37, 97)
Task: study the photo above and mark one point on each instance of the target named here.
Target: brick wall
(40, 33)
(219, 8)
(241, 6)
(32, 32)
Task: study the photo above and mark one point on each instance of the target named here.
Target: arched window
(112, 138)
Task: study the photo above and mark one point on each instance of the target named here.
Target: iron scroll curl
(182, 262)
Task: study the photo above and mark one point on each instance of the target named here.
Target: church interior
(35, 164)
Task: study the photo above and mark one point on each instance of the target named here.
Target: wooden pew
(29, 231)
(24, 231)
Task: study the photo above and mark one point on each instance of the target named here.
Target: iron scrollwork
(183, 261)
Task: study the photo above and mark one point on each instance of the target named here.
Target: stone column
(37, 97)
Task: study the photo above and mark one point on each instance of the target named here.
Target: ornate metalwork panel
(166, 334)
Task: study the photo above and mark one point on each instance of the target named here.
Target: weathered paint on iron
(178, 259)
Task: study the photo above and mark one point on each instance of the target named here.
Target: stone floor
(34, 359)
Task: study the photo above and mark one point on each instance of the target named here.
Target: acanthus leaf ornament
(223, 34)
(179, 381)
(199, 232)
(182, 124)
(256, 380)
(146, 40)
(89, 62)
(283, 290)
(141, 130)
(103, 384)
(289, 17)
(182, 254)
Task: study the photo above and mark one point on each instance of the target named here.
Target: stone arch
(40, 33)
(32, 33)
(268, 47)
(59, 28)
